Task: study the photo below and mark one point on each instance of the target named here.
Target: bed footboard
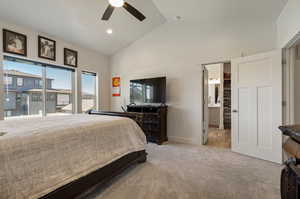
(98, 177)
(118, 114)
(133, 116)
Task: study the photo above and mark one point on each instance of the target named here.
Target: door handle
(235, 111)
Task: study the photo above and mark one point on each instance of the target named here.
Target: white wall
(88, 60)
(297, 91)
(288, 23)
(177, 50)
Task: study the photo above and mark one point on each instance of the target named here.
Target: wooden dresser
(153, 121)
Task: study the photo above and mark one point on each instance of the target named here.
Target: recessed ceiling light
(109, 31)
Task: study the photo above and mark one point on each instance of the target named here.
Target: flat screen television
(148, 91)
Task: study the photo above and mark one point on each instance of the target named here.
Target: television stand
(153, 121)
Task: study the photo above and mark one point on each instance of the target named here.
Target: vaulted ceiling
(218, 10)
(78, 21)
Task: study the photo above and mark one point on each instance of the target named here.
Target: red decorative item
(116, 86)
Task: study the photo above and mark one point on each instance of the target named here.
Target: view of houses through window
(88, 93)
(36, 89)
(59, 92)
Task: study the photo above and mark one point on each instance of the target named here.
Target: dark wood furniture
(153, 121)
(100, 176)
(290, 175)
(293, 131)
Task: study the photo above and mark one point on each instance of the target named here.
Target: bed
(63, 156)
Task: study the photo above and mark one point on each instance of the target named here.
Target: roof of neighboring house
(61, 91)
(87, 104)
(19, 73)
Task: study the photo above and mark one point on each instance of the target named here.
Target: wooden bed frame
(101, 176)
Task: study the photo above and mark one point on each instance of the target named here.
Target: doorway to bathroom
(217, 105)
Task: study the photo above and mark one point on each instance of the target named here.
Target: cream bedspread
(38, 155)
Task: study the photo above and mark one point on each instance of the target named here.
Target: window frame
(73, 86)
(6, 82)
(21, 80)
(95, 74)
(42, 83)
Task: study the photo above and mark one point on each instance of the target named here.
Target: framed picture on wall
(70, 57)
(46, 48)
(116, 86)
(14, 43)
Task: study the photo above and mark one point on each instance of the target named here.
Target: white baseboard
(183, 140)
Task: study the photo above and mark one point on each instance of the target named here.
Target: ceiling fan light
(116, 3)
(109, 31)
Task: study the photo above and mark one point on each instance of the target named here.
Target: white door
(205, 106)
(257, 106)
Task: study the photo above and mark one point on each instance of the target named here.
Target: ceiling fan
(121, 3)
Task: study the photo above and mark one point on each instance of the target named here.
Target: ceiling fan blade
(108, 12)
(134, 11)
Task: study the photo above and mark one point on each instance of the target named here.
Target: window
(59, 90)
(21, 102)
(7, 114)
(88, 92)
(63, 99)
(8, 80)
(36, 97)
(149, 93)
(51, 96)
(36, 89)
(38, 83)
(19, 81)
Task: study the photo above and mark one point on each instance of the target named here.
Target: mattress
(39, 155)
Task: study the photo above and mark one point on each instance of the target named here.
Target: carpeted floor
(177, 171)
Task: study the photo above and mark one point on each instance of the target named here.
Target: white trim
(202, 91)
(218, 62)
(44, 92)
(38, 61)
(289, 86)
(292, 84)
(1, 89)
(98, 81)
(294, 41)
(221, 125)
(74, 91)
(203, 123)
(97, 89)
(286, 87)
(78, 108)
